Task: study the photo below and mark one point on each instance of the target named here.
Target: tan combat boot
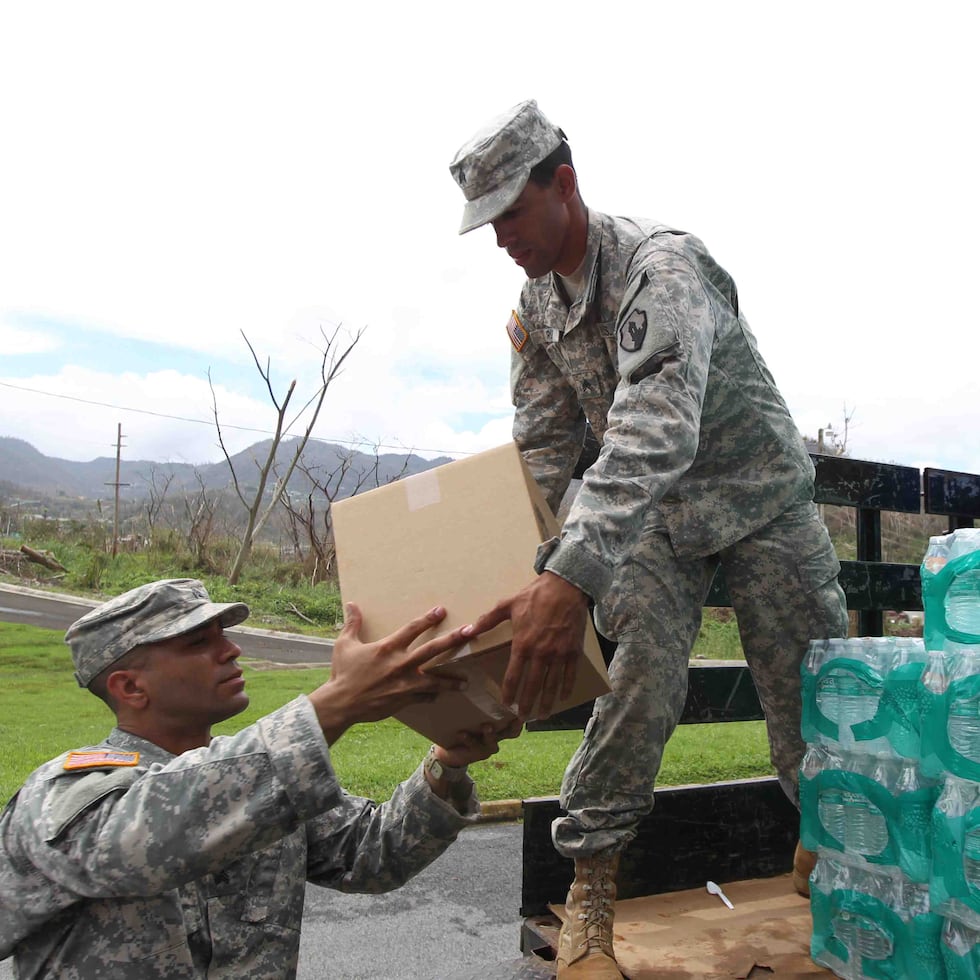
(804, 862)
(585, 943)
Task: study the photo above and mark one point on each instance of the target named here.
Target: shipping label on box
(463, 535)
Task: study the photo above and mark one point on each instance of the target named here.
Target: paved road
(460, 914)
(460, 917)
(52, 611)
(36, 608)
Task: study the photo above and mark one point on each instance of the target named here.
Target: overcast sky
(173, 176)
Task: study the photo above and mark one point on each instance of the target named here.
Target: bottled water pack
(951, 712)
(955, 883)
(873, 924)
(864, 694)
(951, 681)
(890, 785)
(873, 809)
(951, 589)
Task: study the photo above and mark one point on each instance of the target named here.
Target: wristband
(440, 771)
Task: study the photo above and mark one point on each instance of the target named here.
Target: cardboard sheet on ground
(691, 935)
(463, 535)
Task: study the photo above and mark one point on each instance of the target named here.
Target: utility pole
(117, 485)
(827, 441)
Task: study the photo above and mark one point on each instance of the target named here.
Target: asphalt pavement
(51, 610)
(460, 914)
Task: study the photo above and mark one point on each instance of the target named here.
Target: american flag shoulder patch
(100, 758)
(516, 331)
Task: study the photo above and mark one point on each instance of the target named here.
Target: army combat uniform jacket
(124, 861)
(697, 441)
(701, 468)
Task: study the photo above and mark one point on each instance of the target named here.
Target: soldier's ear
(126, 688)
(566, 183)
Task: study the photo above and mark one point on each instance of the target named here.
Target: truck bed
(689, 935)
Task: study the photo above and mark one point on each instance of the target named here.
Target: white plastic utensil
(714, 889)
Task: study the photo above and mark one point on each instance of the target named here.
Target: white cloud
(164, 415)
(17, 341)
(188, 174)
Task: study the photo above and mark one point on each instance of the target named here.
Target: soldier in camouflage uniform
(162, 853)
(633, 328)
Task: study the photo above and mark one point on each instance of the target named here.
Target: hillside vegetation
(284, 595)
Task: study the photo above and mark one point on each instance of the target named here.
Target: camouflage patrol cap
(493, 167)
(147, 614)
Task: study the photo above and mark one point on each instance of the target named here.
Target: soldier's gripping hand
(548, 618)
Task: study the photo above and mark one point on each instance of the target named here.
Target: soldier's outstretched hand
(371, 681)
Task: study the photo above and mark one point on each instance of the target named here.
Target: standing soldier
(632, 328)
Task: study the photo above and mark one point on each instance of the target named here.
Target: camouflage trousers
(782, 581)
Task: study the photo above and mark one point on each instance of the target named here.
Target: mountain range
(27, 473)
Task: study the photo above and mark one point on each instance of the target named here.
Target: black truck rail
(746, 828)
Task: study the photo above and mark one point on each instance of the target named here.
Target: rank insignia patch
(633, 332)
(100, 758)
(516, 331)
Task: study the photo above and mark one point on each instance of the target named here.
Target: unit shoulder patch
(634, 331)
(516, 331)
(100, 759)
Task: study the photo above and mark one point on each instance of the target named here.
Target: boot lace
(598, 908)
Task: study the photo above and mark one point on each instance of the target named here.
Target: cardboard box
(463, 535)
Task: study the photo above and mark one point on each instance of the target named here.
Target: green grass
(277, 592)
(43, 712)
(42, 709)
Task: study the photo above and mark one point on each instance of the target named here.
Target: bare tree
(308, 516)
(199, 510)
(157, 486)
(330, 364)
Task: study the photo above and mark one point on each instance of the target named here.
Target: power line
(239, 428)
(126, 408)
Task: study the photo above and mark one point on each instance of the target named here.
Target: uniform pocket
(275, 890)
(617, 615)
(818, 567)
